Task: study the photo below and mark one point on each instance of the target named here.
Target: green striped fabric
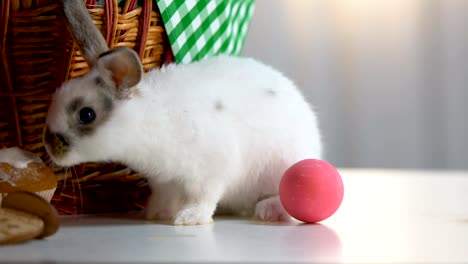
(204, 28)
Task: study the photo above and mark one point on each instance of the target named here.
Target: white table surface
(386, 216)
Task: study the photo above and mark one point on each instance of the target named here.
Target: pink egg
(311, 190)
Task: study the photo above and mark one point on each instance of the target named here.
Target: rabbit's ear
(122, 68)
(87, 36)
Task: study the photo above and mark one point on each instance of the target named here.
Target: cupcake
(22, 170)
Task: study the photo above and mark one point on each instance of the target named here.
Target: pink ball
(311, 190)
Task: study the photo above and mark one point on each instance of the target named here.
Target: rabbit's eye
(87, 115)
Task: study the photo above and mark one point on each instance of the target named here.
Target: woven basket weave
(38, 54)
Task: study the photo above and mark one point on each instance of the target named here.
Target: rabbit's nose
(55, 138)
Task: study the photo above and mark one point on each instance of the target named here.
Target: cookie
(17, 226)
(37, 206)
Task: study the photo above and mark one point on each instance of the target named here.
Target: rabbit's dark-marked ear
(122, 67)
(89, 39)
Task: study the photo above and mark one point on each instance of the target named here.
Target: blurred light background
(388, 78)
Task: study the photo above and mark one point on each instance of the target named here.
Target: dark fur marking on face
(105, 88)
(106, 101)
(99, 81)
(75, 105)
(271, 92)
(103, 107)
(86, 130)
(219, 105)
(58, 143)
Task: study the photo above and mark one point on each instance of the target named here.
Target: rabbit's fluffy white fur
(215, 134)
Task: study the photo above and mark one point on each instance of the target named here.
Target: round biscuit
(34, 204)
(17, 226)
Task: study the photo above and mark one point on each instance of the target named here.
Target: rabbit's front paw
(271, 210)
(194, 215)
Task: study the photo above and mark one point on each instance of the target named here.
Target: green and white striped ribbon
(204, 28)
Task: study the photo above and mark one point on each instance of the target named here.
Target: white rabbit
(218, 133)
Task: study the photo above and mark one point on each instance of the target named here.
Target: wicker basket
(38, 54)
